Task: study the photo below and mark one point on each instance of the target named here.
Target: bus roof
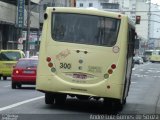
(86, 11)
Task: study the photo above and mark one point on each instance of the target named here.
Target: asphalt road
(28, 104)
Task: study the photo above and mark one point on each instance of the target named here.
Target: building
(14, 37)
(9, 30)
(142, 29)
(154, 36)
(125, 7)
(53, 3)
(111, 5)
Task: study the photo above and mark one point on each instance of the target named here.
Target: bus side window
(0, 56)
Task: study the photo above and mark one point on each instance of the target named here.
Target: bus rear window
(10, 56)
(27, 63)
(84, 29)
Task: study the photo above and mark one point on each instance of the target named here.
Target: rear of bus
(147, 54)
(82, 54)
(155, 57)
(8, 59)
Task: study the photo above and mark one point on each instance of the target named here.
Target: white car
(138, 60)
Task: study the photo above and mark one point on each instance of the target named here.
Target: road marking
(7, 86)
(20, 103)
(133, 82)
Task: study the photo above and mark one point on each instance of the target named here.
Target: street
(144, 98)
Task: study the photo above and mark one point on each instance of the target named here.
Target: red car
(24, 72)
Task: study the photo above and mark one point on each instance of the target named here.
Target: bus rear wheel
(49, 98)
(60, 99)
(114, 105)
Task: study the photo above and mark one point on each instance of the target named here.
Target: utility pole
(149, 21)
(28, 28)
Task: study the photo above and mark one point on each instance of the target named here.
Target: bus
(85, 53)
(8, 59)
(155, 57)
(147, 54)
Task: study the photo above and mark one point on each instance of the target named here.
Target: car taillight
(16, 71)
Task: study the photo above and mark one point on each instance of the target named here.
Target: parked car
(138, 60)
(24, 72)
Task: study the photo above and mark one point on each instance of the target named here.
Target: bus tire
(118, 105)
(49, 98)
(108, 103)
(113, 104)
(60, 99)
(4, 77)
(124, 101)
(81, 97)
(14, 85)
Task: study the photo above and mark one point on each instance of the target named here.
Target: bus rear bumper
(102, 89)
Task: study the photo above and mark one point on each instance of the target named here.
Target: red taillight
(48, 59)
(113, 66)
(16, 72)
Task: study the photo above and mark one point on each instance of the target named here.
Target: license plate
(80, 76)
(28, 72)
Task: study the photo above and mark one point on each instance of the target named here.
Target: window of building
(90, 4)
(80, 4)
(133, 12)
(134, 4)
(110, 5)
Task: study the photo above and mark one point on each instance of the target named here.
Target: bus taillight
(50, 65)
(106, 76)
(48, 59)
(110, 71)
(113, 66)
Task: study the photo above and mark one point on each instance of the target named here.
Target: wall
(7, 12)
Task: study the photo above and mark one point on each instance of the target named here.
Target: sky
(156, 1)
